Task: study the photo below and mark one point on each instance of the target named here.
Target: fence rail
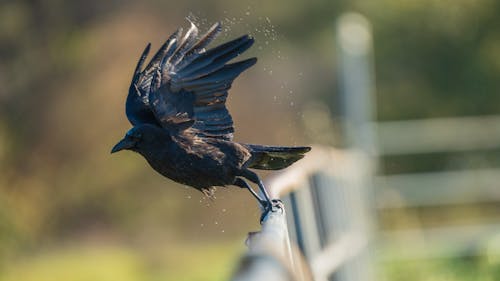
(437, 188)
(439, 242)
(439, 134)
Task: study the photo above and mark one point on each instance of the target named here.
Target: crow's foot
(276, 205)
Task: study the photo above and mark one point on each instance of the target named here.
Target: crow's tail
(274, 157)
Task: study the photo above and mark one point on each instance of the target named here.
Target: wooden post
(354, 49)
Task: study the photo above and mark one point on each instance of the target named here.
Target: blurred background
(71, 211)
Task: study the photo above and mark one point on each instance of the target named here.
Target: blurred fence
(439, 189)
(327, 229)
(329, 217)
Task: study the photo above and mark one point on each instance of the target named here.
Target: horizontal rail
(437, 188)
(438, 135)
(439, 242)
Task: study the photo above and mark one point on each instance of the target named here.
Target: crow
(181, 125)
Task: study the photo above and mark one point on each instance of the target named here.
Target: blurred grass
(191, 261)
(481, 264)
(453, 269)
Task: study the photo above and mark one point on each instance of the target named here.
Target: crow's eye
(136, 136)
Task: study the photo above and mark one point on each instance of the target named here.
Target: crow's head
(141, 137)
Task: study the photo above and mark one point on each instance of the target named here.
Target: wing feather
(184, 45)
(185, 85)
(216, 57)
(199, 47)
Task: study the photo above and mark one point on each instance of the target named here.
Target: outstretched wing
(186, 86)
(137, 106)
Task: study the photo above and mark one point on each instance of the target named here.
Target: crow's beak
(125, 143)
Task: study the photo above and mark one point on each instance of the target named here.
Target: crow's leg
(243, 184)
(255, 179)
(270, 205)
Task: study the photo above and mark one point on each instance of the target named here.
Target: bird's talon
(276, 205)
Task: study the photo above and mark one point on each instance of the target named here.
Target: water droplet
(291, 103)
(223, 210)
(216, 222)
(202, 225)
(188, 197)
(247, 13)
(222, 231)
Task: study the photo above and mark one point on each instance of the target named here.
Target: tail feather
(275, 157)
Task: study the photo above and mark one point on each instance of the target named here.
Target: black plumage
(181, 124)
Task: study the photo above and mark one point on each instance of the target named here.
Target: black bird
(181, 125)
